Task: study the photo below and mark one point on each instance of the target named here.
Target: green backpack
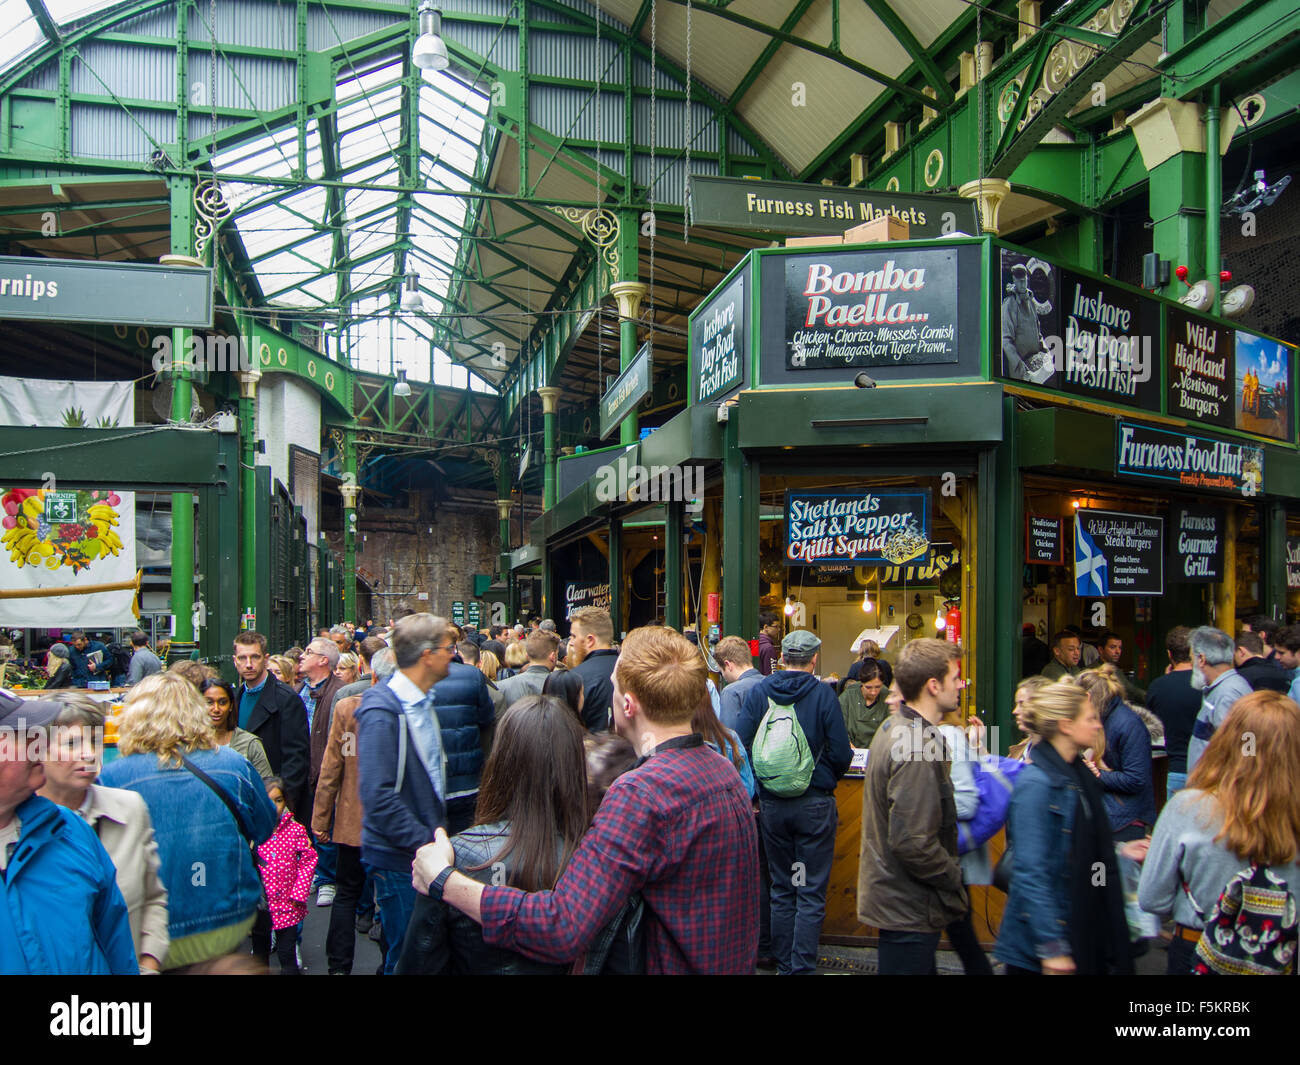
(783, 762)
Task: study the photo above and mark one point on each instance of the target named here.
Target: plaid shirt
(679, 829)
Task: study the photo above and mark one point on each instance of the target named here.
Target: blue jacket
(819, 716)
(81, 663)
(61, 912)
(733, 697)
(205, 861)
(1128, 794)
(399, 809)
(463, 704)
(1036, 919)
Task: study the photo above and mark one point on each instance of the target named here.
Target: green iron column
(1171, 138)
(550, 396)
(182, 246)
(1213, 195)
(616, 575)
(629, 291)
(739, 535)
(351, 491)
(1273, 563)
(248, 495)
(1000, 535)
(673, 567)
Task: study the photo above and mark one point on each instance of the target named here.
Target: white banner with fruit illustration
(67, 538)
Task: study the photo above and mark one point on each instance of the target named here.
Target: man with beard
(1219, 684)
(592, 658)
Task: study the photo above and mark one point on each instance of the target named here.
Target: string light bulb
(867, 605)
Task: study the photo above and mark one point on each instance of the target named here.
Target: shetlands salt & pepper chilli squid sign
(861, 528)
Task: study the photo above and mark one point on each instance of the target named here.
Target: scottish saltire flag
(1089, 563)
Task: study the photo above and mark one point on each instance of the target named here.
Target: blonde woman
(347, 668)
(120, 820)
(1065, 910)
(283, 669)
(516, 658)
(1025, 691)
(489, 665)
(205, 801)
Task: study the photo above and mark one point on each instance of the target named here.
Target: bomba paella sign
(871, 308)
(884, 528)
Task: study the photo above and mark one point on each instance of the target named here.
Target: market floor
(832, 960)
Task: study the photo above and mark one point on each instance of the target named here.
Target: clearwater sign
(578, 594)
(862, 528)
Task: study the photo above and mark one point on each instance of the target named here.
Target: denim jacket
(1036, 920)
(206, 864)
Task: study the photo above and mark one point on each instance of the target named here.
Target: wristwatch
(439, 882)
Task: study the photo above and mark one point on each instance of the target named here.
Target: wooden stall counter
(841, 925)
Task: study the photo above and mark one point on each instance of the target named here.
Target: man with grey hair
(402, 768)
(318, 693)
(336, 819)
(1219, 684)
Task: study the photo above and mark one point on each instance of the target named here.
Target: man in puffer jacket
(799, 831)
(466, 715)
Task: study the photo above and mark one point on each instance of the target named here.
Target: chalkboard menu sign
(578, 594)
(1196, 544)
(1228, 377)
(1293, 562)
(1118, 554)
(1077, 334)
(1044, 540)
(720, 342)
(851, 309)
(862, 527)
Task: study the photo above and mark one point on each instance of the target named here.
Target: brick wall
(405, 559)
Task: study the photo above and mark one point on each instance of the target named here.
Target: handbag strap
(221, 794)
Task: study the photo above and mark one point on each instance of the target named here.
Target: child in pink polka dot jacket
(288, 862)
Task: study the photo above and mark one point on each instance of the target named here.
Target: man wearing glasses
(403, 768)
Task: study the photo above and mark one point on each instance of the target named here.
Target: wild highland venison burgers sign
(852, 309)
(1200, 368)
(1196, 544)
(719, 342)
(1118, 554)
(861, 528)
(1189, 461)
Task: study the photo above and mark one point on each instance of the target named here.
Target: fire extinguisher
(952, 627)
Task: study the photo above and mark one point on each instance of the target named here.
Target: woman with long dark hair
(223, 712)
(532, 811)
(566, 685)
(725, 742)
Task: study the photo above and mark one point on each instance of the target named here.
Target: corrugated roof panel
(501, 9)
(128, 71)
(721, 52)
(574, 113)
(928, 20)
(669, 118)
(157, 23)
(45, 77)
(498, 46)
(611, 160)
(663, 80)
(569, 55)
(114, 133)
(802, 102)
(328, 26)
(257, 23)
(862, 37)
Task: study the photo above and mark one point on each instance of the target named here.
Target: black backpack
(119, 659)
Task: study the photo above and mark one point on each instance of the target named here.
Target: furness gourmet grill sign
(871, 309)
